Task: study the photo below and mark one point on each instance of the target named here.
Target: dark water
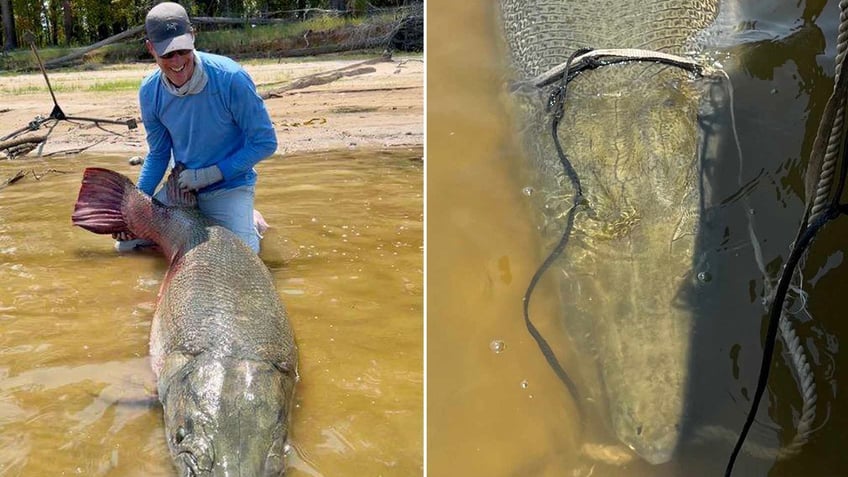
(345, 249)
(505, 412)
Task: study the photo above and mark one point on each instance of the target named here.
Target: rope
(820, 209)
(591, 59)
(825, 182)
(774, 319)
(802, 373)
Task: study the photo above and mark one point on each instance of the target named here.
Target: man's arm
(250, 114)
(159, 147)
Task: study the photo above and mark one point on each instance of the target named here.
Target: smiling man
(203, 110)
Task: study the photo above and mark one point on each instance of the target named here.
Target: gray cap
(168, 28)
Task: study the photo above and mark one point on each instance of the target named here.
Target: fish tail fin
(176, 196)
(101, 199)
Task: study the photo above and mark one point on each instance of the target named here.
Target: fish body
(221, 345)
(631, 133)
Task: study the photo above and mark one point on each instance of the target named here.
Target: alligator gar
(220, 344)
(631, 133)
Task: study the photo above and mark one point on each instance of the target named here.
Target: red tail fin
(101, 197)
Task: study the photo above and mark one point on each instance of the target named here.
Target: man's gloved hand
(194, 179)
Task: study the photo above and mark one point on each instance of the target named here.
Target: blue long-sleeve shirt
(226, 124)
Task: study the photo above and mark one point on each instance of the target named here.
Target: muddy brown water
(345, 249)
(495, 408)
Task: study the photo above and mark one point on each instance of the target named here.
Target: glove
(194, 179)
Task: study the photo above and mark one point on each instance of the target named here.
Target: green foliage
(95, 20)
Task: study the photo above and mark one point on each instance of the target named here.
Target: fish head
(636, 295)
(226, 416)
(655, 442)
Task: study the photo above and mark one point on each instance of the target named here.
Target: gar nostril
(638, 430)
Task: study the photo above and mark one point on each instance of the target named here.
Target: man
(203, 110)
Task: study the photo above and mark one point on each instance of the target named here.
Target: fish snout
(191, 466)
(655, 446)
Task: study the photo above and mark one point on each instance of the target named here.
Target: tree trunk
(53, 22)
(67, 21)
(10, 41)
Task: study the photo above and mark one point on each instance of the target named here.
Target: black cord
(774, 319)
(555, 107)
(806, 233)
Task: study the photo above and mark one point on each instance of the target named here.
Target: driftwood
(21, 146)
(21, 174)
(335, 48)
(15, 178)
(83, 51)
(358, 90)
(325, 77)
(317, 80)
(76, 150)
(21, 140)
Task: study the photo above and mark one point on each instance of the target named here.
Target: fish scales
(631, 133)
(220, 343)
(200, 309)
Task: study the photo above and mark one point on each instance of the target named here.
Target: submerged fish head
(642, 331)
(647, 373)
(225, 416)
(654, 442)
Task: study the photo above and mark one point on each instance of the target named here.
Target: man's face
(177, 66)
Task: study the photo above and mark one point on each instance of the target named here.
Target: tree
(10, 41)
(68, 22)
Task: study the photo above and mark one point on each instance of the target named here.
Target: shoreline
(383, 108)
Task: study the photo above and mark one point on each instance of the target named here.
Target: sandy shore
(384, 108)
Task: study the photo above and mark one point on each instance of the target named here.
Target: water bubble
(524, 384)
(527, 191)
(705, 277)
(497, 346)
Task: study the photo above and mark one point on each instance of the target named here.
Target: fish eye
(180, 435)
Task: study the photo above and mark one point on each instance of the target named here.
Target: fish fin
(260, 223)
(176, 196)
(101, 197)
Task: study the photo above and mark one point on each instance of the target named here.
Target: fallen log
(316, 80)
(83, 51)
(325, 77)
(357, 90)
(335, 48)
(21, 140)
(21, 146)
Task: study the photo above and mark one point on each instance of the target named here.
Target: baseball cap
(168, 28)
